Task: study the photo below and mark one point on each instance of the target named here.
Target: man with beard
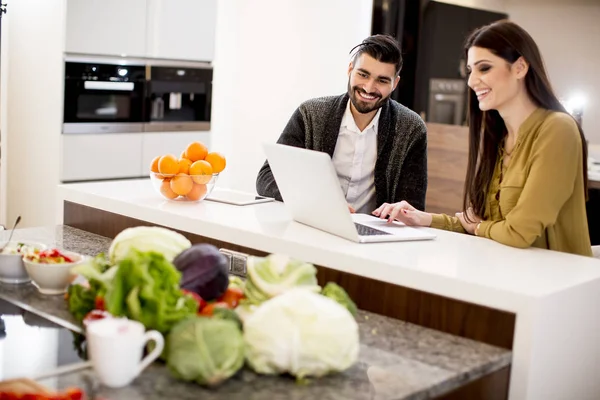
(378, 146)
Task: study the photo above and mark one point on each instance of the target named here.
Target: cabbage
(337, 293)
(244, 310)
(205, 350)
(205, 271)
(147, 238)
(275, 274)
(301, 333)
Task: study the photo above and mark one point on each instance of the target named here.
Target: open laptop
(311, 192)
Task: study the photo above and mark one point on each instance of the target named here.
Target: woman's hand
(351, 209)
(403, 212)
(469, 226)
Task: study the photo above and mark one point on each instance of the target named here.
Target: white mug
(116, 346)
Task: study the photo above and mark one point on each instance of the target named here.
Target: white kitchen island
(556, 349)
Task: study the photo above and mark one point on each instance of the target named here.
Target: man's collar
(349, 123)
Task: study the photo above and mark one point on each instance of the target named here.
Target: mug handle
(160, 344)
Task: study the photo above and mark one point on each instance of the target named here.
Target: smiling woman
(526, 182)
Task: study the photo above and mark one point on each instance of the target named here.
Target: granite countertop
(397, 360)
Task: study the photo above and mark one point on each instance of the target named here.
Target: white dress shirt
(354, 160)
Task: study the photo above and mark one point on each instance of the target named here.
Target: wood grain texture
(493, 386)
(452, 316)
(447, 157)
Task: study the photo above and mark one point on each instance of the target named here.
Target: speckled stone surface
(397, 360)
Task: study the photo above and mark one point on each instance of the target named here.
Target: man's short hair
(383, 48)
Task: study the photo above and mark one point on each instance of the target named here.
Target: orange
(196, 151)
(217, 160)
(181, 184)
(154, 168)
(197, 192)
(168, 165)
(182, 154)
(201, 171)
(154, 164)
(184, 165)
(165, 189)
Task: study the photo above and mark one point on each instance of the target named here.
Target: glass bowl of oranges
(190, 177)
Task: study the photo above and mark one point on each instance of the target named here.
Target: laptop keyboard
(364, 230)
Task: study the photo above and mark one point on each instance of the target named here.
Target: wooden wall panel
(447, 165)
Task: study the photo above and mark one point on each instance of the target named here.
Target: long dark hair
(487, 129)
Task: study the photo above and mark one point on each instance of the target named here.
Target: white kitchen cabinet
(107, 27)
(102, 156)
(161, 143)
(182, 29)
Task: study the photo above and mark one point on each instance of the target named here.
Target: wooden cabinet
(173, 29)
(182, 29)
(107, 27)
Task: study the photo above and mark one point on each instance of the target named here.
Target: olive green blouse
(539, 199)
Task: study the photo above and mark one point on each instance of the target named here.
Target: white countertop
(455, 265)
(555, 353)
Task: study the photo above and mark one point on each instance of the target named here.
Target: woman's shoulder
(558, 126)
(559, 121)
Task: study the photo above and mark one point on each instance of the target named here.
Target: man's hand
(352, 210)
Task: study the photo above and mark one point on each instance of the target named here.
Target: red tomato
(31, 396)
(99, 303)
(232, 296)
(208, 310)
(74, 394)
(95, 315)
(69, 394)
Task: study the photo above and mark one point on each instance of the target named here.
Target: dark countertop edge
(49, 317)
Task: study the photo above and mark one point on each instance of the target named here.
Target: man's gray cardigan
(401, 166)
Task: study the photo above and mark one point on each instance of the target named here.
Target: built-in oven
(447, 101)
(179, 98)
(104, 98)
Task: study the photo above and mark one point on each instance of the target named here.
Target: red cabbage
(204, 270)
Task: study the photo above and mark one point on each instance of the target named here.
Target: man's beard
(362, 106)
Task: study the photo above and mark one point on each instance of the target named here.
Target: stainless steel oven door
(103, 98)
(446, 108)
(446, 101)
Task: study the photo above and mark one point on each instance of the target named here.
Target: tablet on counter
(235, 197)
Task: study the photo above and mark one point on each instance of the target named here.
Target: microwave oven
(104, 98)
(179, 98)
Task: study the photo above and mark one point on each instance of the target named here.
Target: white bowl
(12, 269)
(53, 278)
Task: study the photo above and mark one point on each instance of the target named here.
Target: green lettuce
(146, 288)
(81, 301)
(82, 297)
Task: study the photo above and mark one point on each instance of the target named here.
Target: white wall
(270, 55)
(491, 5)
(3, 117)
(34, 96)
(568, 38)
